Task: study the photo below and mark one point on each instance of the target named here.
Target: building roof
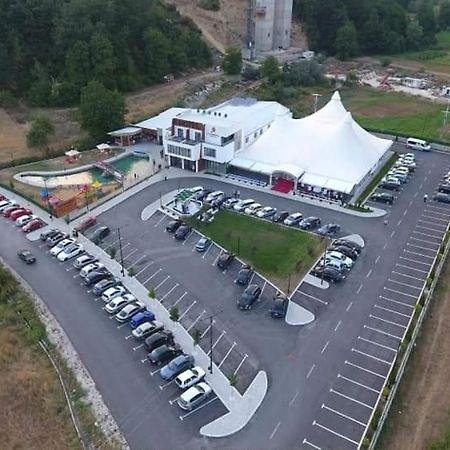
(163, 120)
(328, 148)
(127, 131)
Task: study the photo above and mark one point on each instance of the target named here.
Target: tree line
(347, 28)
(51, 49)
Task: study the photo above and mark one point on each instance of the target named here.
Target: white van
(418, 144)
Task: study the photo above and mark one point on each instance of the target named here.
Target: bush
(67, 218)
(174, 314)
(211, 5)
(151, 293)
(112, 252)
(196, 336)
(131, 272)
(7, 100)
(385, 62)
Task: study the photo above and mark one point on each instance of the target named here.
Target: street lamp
(121, 253)
(210, 318)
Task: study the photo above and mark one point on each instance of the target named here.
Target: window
(260, 132)
(179, 151)
(209, 152)
(255, 135)
(247, 139)
(198, 136)
(180, 132)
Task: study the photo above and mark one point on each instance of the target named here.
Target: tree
(156, 54)
(444, 15)
(427, 20)
(102, 59)
(414, 35)
(196, 336)
(271, 69)
(40, 131)
(78, 64)
(101, 110)
(232, 61)
(346, 41)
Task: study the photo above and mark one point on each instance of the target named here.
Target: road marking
(421, 247)
(137, 347)
(294, 398)
(385, 245)
(385, 333)
(370, 356)
(317, 424)
(196, 320)
(314, 298)
(275, 430)
(378, 258)
(187, 310)
(407, 276)
(404, 214)
(338, 325)
(437, 244)
(207, 250)
(392, 311)
(126, 337)
(392, 234)
(325, 347)
(364, 369)
(181, 298)
(357, 383)
(399, 292)
(386, 321)
(217, 259)
(310, 371)
(415, 195)
(160, 220)
(227, 354)
(262, 289)
(439, 208)
(396, 301)
(398, 223)
(207, 329)
(311, 445)
(240, 364)
(415, 261)
(155, 371)
(437, 218)
(411, 268)
(138, 260)
(437, 213)
(359, 289)
(146, 267)
(369, 273)
(162, 386)
(418, 254)
(150, 277)
(196, 409)
(169, 292)
(349, 306)
(132, 253)
(404, 284)
(187, 238)
(377, 344)
(433, 223)
(121, 326)
(143, 361)
(162, 282)
(342, 415)
(110, 245)
(333, 391)
(217, 341)
(429, 229)
(427, 235)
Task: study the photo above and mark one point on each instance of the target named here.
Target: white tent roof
(161, 121)
(127, 131)
(328, 148)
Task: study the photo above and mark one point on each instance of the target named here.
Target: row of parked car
(337, 261)
(162, 350)
(398, 175)
(443, 190)
(21, 216)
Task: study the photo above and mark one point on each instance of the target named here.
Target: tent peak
(336, 96)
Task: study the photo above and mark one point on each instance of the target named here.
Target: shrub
(131, 272)
(67, 218)
(112, 252)
(196, 335)
(385, 62)
(233, 379)
(151, 293)
(174, 314)
(11, 184)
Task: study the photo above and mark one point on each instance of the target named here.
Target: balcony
(183, 140)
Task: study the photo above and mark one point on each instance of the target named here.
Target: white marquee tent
(327, 149)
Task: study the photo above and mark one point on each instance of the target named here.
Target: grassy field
(275, 251)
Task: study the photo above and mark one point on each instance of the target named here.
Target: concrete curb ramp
(242, 410)
(297, 315)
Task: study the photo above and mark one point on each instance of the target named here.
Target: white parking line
(227, 354)
(349, 306)
(217, 259)
(418, 254)
(364, 369)
(169, 292)
(162, 282)
(433, 223)
(398, 224)
(150, 277)
(429, 229)
(325, 347)
(217, 341)
(425, 241)
(262, 290)
(207, 250)
(138, 260)
(396, 301)
(160, 220)
(112, 244)
(187, 310)
(415, 261)
(198, 408)
(275, 430)
(342, 415)
(333, 391)
(393, 232)
(386, 321)
(399, 292)
(155, 371)
(179, 300)
(129, 254)
(138, 347)
(411, 268)
(311, 445)
(240, 364)
(437, 213)
(392, 311)
(385, 333)
(146, 267)
(206, 331)
(338, 325)
(427, 235)
(439, 208)
(378, 258)
(294, 398)
(314, 298)
(407, 276)
(404, 284)
(370, 356)
(359, 289)
(310, 371)
(421, 247)
(377, 344)
(188, 236)
(163, 386)
(196, 320)
(437, 218)
(369, 273)
(357, 383)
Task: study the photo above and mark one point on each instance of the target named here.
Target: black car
(328, 273)
(349, 244)
(157, 339)
(279, 306)
(48, 234)
(173, 226)
(441, 197)
(164, 353)
(382, 197)
(104, 285)
(249, 296)
(203, 194)
(26, 256)
(95, 276)
(225, 260)
(329, 229)
(388, 185)
(220, 201)
(244, 275)
(183, 231)
(445, 188)
(347, 251)
(280, 216)
(309, 223)
(99, 234)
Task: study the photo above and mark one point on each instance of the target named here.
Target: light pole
(121, 253)
(211, 321)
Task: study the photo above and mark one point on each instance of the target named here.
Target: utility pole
(444, 125)
(316, 100)
(211, 321)
(324, 259)
(121, 253)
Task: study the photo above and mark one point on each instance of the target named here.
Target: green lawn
(275, 251)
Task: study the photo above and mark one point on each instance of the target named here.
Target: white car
(228, 204)
(60, 246)
(214, 196)
(195, 395)
(190, 377)
(242, 204)
(293, 219)
(196, 189)
(147, 328)
(6, 204)
(113, 292)
(338, 256)
(23, 220)
(116, 304)
(83, 260)
(408, 155)
(252, 209)
(266, 212)
(70, 252)
(86, 270)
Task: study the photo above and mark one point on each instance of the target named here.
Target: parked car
(6, 203)
(116, 304)
(442, 198)
(382, 197)
(266, 213)
(157, 339)
(293, 219)
(203, 244)
(23, 220)
(391, 185)
(249, 296)
(173, 226)
(26, 256)
(176, 366)
(10, 209)
(141, 317)
(347, 251)
(33, 225)
(71, 251)
(146, 329)
(218, 202)
(113, 292)
(182, 233)
(96, 276)
(329, 229)
(90, 268)
(164, 353)
(242, 204)
(353, 245)
(279, 306)
(103, 285)
(328, 274)
(48, 234)
(309, 223)
(60, 246)
(19, 213)
(190, 377)
(2, 197)
(244, 275)
(201, 195)
(333, 254)
(214, 196)
(52, 241)
(253, 208)
(334, 264)
(99, 234)
(229, 203)
(126, 313)
(279, 217)
(84, 260)
(445, 188)
(225, 260)
(85, 224)
(194, 396)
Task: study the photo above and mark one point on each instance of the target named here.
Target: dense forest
(51, 49)
(351, 27)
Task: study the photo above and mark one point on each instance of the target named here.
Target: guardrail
(370, 436)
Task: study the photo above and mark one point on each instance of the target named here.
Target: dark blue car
(141, 317)
(176, 366)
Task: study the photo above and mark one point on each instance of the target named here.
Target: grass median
(277, 252)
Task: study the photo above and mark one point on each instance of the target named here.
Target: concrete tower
(264, 23)
(282, 24)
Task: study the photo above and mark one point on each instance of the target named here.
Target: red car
(2, 197)
(7, 211)
(20, 212)
(87, 223)
(35, 224)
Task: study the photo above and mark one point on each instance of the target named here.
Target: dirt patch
(420, 413)
(384, 109)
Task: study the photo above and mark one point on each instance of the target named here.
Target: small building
(125, 136)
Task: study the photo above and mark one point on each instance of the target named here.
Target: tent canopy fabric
(127, 131)
(328, 145)
(72, 153)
